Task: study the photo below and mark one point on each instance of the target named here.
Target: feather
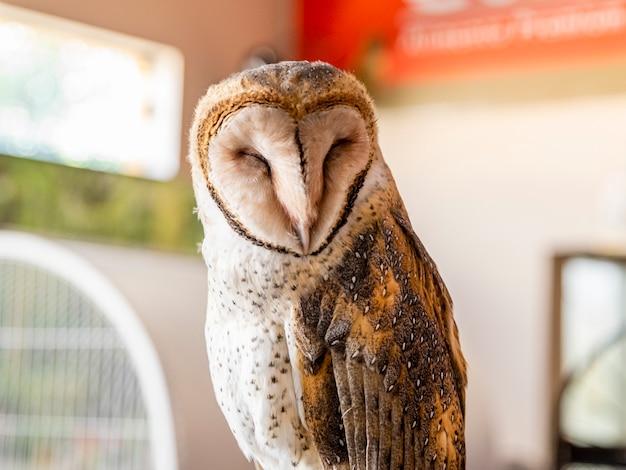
(397, 377)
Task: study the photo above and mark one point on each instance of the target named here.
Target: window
(591, 357)
(82, 96)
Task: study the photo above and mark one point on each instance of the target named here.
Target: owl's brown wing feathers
(382, 374)
(440, 301)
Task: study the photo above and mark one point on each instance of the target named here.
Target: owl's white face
(288, 182)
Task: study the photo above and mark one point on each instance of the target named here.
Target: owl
(330, 333)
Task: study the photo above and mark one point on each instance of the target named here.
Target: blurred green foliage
(79, 203)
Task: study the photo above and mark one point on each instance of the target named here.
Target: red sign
(409, 40)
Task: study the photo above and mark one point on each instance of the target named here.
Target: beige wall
(494, 187)
(214, 36)
(494, 190)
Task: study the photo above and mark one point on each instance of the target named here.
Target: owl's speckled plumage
(330, 333)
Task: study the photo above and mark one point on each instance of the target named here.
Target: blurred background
(504, 122)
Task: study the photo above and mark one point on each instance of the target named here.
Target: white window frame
(154, 150)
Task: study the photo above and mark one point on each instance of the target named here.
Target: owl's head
(283, 151)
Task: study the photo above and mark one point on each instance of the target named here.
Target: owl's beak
(304, 235)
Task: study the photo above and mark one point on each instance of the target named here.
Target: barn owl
(330, 333)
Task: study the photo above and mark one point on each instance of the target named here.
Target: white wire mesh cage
(80, 383)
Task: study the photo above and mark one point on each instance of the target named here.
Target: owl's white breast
(252, 292)
(252, 376)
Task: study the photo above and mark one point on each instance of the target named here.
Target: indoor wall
(498, 175)
(495, 189)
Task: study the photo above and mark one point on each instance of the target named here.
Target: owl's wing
(381, 370)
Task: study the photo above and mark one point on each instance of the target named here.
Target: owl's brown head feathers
(297, 87)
